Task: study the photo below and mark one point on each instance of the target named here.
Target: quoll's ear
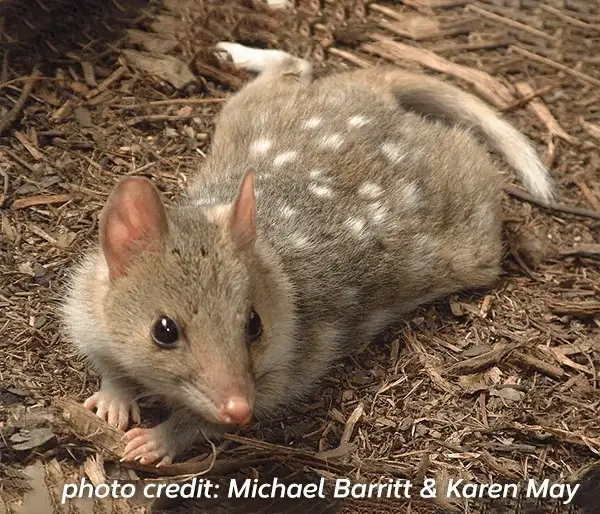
(242, 221)
(133, 221)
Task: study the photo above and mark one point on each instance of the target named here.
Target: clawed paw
(115, 410)
(148, 446)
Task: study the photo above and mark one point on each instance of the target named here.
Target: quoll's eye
(254, 326)
(165, 332)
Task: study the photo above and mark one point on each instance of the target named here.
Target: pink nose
(236, 411)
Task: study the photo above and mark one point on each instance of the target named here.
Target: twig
(569, 19)
(170, 101)
(16, 158)
(114, 76)
(563, 435)
(5, 187)
(564, 361)
(590, 196)
(350, 57)
(486, 458)
(591, 128)
(153, 118)
(554, 64)
(23, 203)
(480, 362)
(569, 209)
(16, 109)
(429, 364)
(527, 98)
(529, 361)
(387, 11)
(544, 114)
(468, 47)
(580, 309)
(587, 250)
(511, 23)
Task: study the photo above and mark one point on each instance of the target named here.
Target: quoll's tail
(427, 95)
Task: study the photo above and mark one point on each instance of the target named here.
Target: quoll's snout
(236, 410)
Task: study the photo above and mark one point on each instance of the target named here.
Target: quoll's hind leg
(114, 403)
(279, 74)
(270, 65)
(280, 4)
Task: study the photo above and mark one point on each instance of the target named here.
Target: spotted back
(372, 210)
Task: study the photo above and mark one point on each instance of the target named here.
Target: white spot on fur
(393, 152)
(288, 211)
(301, 241)
(410, 194)
(282, 158)
(378, 212)
(377, 322)
(333, 141)
(319, 175)
(322, 191)
(370, 190)
(357, 121)
(356, 225)
(312, 123)
(261, 146)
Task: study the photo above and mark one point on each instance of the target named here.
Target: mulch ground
(499, 386)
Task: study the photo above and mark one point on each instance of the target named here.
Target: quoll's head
(180, 301)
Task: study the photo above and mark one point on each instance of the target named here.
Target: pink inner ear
(133, 221)
(243, 214)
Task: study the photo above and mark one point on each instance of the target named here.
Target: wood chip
(31, 201)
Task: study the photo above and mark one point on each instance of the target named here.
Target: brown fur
(360, 218)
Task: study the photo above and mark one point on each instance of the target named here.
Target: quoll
(326, 210)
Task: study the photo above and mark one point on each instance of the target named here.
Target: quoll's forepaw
(115, 410)
(148, 446)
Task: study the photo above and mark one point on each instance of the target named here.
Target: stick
(170, 101)
(579, 309)
(554, 64)
(480, 362)
(587, 250)
(511, 23)
(526, 99)
(543, 113)
(528, 361)
(569, 19)
(569, 209)
(16, 109)
(154, 118)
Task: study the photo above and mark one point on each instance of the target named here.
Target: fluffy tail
(430, 96)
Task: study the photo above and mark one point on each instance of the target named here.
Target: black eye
(165, 332)
(254, 326)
